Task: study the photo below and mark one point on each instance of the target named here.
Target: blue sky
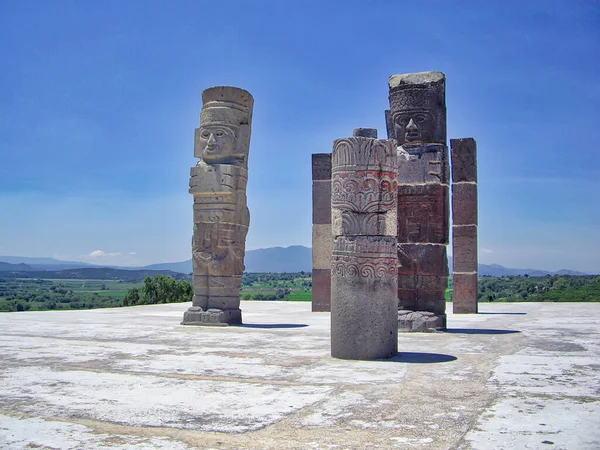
(99, 101)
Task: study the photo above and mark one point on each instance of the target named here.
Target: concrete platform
(516, 376)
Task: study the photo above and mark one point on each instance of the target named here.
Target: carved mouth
(210, 148)
(412, 135)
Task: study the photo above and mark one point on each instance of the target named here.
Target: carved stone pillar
(364, 302)
(221, 217)
(416, 120)
(464, 225)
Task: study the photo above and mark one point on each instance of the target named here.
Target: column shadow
(479, 331)
(507, 313)
(421, 358)
(272, 325)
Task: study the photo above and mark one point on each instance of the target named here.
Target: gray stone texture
(423, 215)
(322, 242)
(321, 202)
(321, 290)
(423, 163)
(418, 107)
(464, 160)
(322, 239)
(221, 217)
(464, 230)
(364, 259)
(464, 293)
(417, 121)
(365, 132)
(422, 277)
(420, 321)
(364, 321)
(465, 242)
(321, 166)
(464, 204)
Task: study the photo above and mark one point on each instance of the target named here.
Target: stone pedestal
(364, 261)
(416, 120)
(464, 225)
(221, 217)
(321, 237)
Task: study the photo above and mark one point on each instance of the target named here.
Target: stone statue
(221, 217)
(417, 121)
(364, 301)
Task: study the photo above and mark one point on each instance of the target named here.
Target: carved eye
(219, 133)
(205, 134)
(402, 121)
(421, 118)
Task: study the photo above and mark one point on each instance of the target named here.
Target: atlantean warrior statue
(364, 188)
(417, 121)
(221, 218)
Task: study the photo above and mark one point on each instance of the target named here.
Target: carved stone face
(217, 142)
(414, 126)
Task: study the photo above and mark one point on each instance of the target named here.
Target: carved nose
(211, 140)
(412, 126)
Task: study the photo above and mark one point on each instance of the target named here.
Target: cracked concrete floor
(515, 376)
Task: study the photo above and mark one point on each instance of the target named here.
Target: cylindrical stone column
(464, 225)
(364, 189)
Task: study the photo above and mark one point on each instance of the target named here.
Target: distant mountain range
(295, 258)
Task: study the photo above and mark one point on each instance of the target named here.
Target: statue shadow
(507, 313)
(421, 358)
(272, 325)
(479, 331)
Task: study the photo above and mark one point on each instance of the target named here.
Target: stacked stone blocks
(464, 225)
(416, 121)
(321, 237)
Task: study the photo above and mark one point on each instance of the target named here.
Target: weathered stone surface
(464, 160)
(418, 107)
(364, 187)
(321, 290)
(422, 277)
(322, 239)
(420, 321)
(423, 163)
(212, 317)
(423, 213)
(417, 121)
(221, 217)
(424, 259)
(321, 202)
(365, 132)
(464, 293)
(364, 260)
(464, 204)
(464, 258)
(363, 298)
(321, 166)
(464, 230)
(322, 244)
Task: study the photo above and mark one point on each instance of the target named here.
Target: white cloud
(132, 253)
(101, 253)
(486, 250)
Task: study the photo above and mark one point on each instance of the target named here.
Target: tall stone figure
(464, 225)
(416, 120)
(364, 190)
(221, 217)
